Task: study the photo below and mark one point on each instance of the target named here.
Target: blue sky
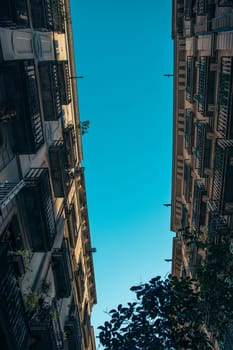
(123, 48)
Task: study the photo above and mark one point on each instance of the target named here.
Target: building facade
(202, 190)
(47, 284)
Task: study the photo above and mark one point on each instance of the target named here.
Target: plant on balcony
(31, 301)
(21, 258)
(26, 259)
(45, 286)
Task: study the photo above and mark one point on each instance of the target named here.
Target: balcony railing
(38, 210)
(187, 182)
(177, 256)
(225, 3)
(62, 271)
(201, 7)
(188, 9)
(58, 15)
(199, 207)
(45, 329)
(189, 130)
(58, 168)
(80, 282)
(222, 190)
(73, 331)
(72, 225)
(206, 85)
(41, 14)
(190, 81)
(14, 13)
(64, 82)
(225, 99)
(48, 14)
(216, 223)
(222, 23)
(203, 148)
(50, 90)
(13, 322)
(69, 140)
(20, 95)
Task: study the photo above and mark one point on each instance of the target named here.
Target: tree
(179, 314)
(215, 278)
(167, 314)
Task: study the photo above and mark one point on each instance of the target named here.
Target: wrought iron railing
(41, 14)
(70, 142)
(72, 328)
(58, 15)
(187, 182)
(64, 82)
(12, 312)
(38, 209)
(190, 80)
(222, 196)
(203, 148)
(59, 169)
(62, 271)
(14, 13)
(45, 327)
(27, 128)
(201, 7)
(188, 9)
(224, 122)
(189, 130)
(50, 90)
(199, 207)
(202, 85)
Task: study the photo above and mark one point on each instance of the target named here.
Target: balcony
(62, 271)
(19, 96)
(69, 140)
(80, 282)
(222, 190)
(191, 78)
(48, 14)
(73, 329)
(225, 3)
(13, 323)
(189, 130)
(225, 99)
(64, 82)
(222, 23)
(41, 14)
(201, 7)
(187, 183)
(199, 207)
(36, 200)
(188, 9)
(206, 85)
(72, 226)
(58, 168)
(177, 256)
(50, 90)
(194, 259)
(203, 149)
(58, 15)
(14, 13)
(45, 329)
(217, 223)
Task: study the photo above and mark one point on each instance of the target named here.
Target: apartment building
(47, 284)
(202, 190)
